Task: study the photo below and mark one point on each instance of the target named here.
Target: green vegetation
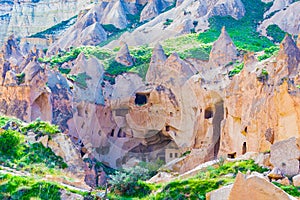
(128, 182)
(168, 22)
(16, 153)
(236, 70)
(298, 86)
(26, 188)
(20, 78)
(10, 142)
(80, 79)
(192, 188)
(40, 128)
(276, 33)
(187, 46)
(263, 76)
(243, 31)
(269, 52)
(4, 120)
(290, 189)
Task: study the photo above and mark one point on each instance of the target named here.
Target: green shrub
(263, 76)
(152, 167)
(128, 182)
(268, 52)
(236, 70)
(40, 128)
(20, 78)
(10, 142)
(168, 22)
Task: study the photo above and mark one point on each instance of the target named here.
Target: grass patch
(187, 46)
(290, 189)
(196, 187)
(243, 31)
(22, 187)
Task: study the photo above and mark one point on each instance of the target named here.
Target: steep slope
(28, 17)
(287, 19)
(187, 16)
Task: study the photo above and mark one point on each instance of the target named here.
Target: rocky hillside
(173, 83)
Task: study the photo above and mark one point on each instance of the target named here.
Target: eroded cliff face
(262, 109)
(25, 18)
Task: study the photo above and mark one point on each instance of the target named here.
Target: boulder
(62, 146)
(256, 188)
(285, 155)
(296, 180)
(220, 194)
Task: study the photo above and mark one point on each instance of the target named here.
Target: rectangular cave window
(171, 155)
(140, 99)
(176, 155)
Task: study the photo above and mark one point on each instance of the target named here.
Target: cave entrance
(244, 149)
(41, 108)
(141, 99)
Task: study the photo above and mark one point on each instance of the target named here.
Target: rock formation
(123, 56)
(86, 31)
(287, 19)
(153, 8)
(223, 51)
(257, 188)
(28, 17)
(182, 17)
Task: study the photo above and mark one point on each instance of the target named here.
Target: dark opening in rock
(208, 113)
(140, 99)
(244, 149)
(231, 155)
(246, 129)
(112, 133)
(167, 128)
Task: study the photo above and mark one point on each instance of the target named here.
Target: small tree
(129, 181)
(10, 142)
